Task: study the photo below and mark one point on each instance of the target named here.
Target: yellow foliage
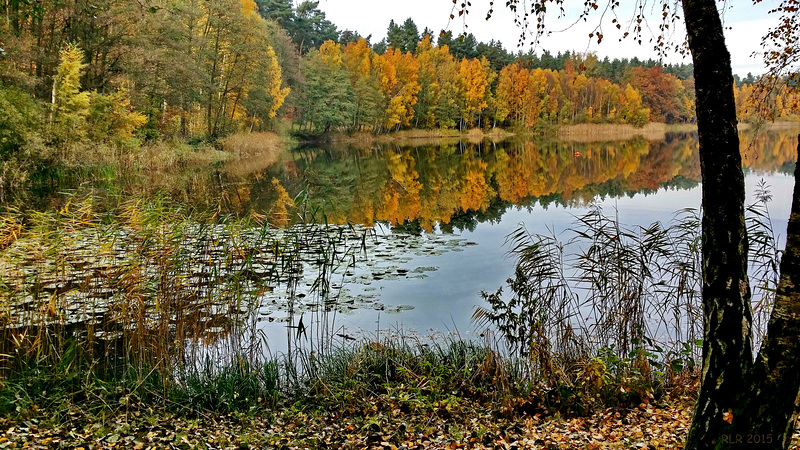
(398, 75)
(513, 91)
(278, 94)
(123, 117)
(475, 86)
(401, 194)
(476, 191)
(331, 53)
(357, 57)
(249, 7)
(70, 105)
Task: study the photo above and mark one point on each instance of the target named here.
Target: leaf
(727, 416)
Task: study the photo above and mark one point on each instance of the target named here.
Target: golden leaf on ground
(727, 416)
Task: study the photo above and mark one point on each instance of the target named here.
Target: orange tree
(744, 402)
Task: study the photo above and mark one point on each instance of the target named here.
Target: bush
(20, 117)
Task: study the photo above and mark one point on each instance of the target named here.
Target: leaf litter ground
(379, 422)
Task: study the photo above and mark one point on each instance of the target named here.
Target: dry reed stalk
(423, 137)
(589, 132)
(253, 144)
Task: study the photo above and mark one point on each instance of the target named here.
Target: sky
(745, 25)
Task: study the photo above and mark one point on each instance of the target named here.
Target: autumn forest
(106, 71)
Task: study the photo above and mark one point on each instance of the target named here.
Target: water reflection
(449, 184)
(432, 185)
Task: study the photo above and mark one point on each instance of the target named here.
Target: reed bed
(148, 289)
(589, 132)
(613, 300)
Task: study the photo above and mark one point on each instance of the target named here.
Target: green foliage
(74, 378)
(205, 69)
(278, 10)
(238, 386)
(640, 118)
(369, 99)
(632, 296)
(403, 37)
(461, 46)
(765, 257)
(310, 27)
(20, 117)
(423, 372)
(329, 102)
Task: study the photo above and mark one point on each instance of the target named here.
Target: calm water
(479, 193)
(441, 213)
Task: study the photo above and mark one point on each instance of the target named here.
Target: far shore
(416, 136)
(586, 132)
(652, 131)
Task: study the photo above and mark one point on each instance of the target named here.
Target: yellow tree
(612, 102)
(449, 107)
(634, 113)
(78, 115)
(113, 117)
(600, 99)
(537, 91)
(490, 75)
(70, 105)
(579, 94)
(330, 54)
(398, 75)
(429, 59)
(554, 94)
(236, 58)
(358, 59)
(475, 85)
(512, 92)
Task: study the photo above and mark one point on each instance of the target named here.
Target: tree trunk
(767, 418)
(727, 344)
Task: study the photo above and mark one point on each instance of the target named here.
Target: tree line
(97, 70)
(350, 86)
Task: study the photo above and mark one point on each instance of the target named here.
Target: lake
(425, 226)
(482, 192)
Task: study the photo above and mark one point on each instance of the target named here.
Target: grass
(159, 165)
(135, 283)
(414, 377)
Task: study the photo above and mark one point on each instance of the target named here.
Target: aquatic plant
(620, 293)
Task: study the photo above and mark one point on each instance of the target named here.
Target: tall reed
(151, 288)
(623, 293)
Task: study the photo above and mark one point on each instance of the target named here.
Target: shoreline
(574, 133)
(416, 136)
